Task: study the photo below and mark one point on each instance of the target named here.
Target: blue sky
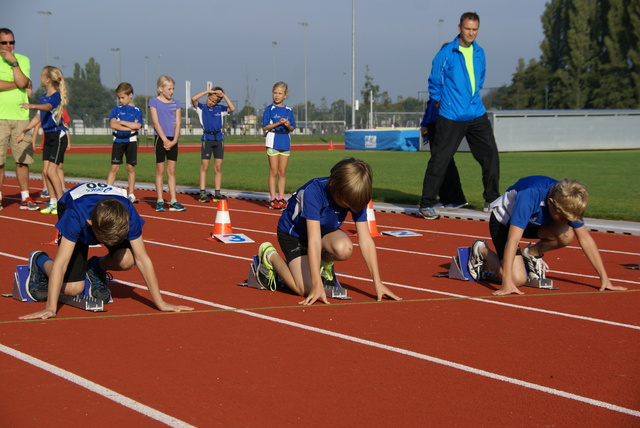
(230, 43)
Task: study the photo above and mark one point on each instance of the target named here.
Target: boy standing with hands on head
(125, 120)
(212, 139)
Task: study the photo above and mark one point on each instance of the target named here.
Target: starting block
(458, 268)
(81, 301)
(332, 291)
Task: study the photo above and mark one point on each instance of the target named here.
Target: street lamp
(118, 71)
(274, 60)
(440, 21)
(146, 91)
(306, 113)
(46, 15)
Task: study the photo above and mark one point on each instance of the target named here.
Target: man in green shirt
(14, 82)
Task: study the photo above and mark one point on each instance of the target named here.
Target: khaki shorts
(9, 131)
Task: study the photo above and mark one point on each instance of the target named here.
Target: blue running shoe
(160, 206)
(37, 281)
(98, 282)
(428, 212)
(177, 206)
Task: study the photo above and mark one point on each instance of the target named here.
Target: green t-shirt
(10, 100)
(467, 52)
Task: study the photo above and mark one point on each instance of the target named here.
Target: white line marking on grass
(98, 389)
(408, 353)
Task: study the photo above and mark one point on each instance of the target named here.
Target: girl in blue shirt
(277, 123)
(52, 103)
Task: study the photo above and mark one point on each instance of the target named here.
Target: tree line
(590, 59)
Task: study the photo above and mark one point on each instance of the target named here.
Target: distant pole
(344, 104)
(46, 15)
(353, 64)
(146, 90)
(306, 113)
(440, 21)
(159, 56)
(118, 71)
(274, 60)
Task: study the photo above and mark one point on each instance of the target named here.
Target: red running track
(448, 354)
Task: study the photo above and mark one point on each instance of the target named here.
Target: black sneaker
(98, 282)
(37, 281)
(475, 264)
(219, 197)
(536, 267)
(204, 198)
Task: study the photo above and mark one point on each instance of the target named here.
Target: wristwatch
(14, 64)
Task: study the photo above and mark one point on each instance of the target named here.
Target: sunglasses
(8, 43)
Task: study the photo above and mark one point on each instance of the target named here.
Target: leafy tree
(89, 100)
(369, 90)
(590, 58)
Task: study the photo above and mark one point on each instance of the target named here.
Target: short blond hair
(570, 198)
(351, 182)
(281, 85)
(110, 221)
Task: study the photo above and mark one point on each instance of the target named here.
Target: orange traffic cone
(222, 225)
(330, 144)
(371, 222)
(55, 238)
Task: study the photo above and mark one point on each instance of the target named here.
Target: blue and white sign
(234, 238)
(400, 233)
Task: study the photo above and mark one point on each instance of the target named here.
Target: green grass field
(611, 176)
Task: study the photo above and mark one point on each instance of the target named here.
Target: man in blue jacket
(457, 76)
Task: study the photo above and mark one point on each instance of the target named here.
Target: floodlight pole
(274, 60)
(353, 64)
(46, 15)
(146, 90)
(306, 113)
(118, 70)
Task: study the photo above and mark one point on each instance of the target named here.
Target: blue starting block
(332, 291)
(82, 301)
(458, 268)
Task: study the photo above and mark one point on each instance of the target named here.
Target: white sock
(24, 194)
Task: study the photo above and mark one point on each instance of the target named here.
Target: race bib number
(96, 189)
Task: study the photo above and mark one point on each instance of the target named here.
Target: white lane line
(96, 388)
(407, 353)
